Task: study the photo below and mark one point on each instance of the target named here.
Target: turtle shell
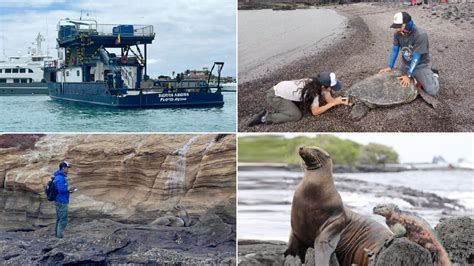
(382, 89)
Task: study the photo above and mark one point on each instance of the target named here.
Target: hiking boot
(258, 119)
(436, 72)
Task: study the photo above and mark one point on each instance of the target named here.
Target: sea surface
(265, 197)
(41, 114)
(271, 39)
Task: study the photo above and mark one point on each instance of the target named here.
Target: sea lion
(319, 218)
(183, 214)
(177, 217)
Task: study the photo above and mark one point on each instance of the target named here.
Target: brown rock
(134, 177)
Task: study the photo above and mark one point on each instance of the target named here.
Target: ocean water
(265, 197)
(41, 114)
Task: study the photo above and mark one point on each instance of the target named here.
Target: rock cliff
(127, 180)
(119, 176)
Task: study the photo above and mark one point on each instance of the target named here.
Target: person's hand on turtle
(346, 101)
(341, 100)
(404, 81)
(384, 70)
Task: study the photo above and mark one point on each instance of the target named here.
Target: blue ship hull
(97, 93)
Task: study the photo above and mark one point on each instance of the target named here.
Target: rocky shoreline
(362, 51)
(105, 241)
(125, 185)
(455, 234)
(344, 168)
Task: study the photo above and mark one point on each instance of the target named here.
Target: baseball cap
(329, 79)
(399, 19)
(64, 164)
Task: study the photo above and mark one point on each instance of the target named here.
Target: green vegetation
(274, 148)
(281, 6)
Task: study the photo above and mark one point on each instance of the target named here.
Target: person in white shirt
(312, 95)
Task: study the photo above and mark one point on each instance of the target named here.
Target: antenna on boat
(47, 37)
(39, 39)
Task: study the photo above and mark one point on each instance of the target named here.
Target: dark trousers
(425, 76)
(285, 110)
(61, 219)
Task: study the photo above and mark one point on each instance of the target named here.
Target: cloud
(28, 3)
(190, 34)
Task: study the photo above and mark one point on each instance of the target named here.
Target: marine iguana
(415, 228)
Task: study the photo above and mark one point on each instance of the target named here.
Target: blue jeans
(61, 219)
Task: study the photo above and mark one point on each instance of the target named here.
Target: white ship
(24, 74)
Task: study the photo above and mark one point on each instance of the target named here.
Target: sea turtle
(382, 90)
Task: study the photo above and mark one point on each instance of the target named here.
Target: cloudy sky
(190, 34)
(414, 147)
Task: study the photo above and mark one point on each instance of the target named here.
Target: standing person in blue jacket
(62, 198)
(413, 42)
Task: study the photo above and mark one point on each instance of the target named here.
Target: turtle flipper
(359, 110)
(428, 98)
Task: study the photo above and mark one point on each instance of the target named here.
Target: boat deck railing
(115, 30)
(71, 29)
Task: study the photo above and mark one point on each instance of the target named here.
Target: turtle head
(386, 209)
(314, 157)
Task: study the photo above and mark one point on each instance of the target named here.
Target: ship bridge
(84, 32)
(85, 44)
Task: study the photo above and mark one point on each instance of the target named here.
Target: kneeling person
(312, 94)
(413, 42)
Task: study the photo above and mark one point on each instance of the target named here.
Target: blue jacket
(61, 184)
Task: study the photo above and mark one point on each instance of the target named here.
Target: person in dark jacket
(62, 198)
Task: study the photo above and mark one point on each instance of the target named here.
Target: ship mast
(39, 39)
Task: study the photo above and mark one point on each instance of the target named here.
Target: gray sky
(414, 147)
(190, 34)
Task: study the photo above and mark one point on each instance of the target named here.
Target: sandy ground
(363, 50)
(304, 32)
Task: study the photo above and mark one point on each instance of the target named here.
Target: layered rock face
(132, 178)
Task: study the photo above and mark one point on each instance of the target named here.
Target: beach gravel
(362, 51)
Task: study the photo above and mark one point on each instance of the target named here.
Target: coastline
(305, 33)
(360, 52)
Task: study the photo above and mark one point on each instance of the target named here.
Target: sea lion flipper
(296, 248)
(324, 248)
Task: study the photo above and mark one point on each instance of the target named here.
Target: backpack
(50, 190)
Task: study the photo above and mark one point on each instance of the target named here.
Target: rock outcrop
(132, 177)
(456, 234)
(126, 180)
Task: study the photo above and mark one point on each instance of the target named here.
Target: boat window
(15, 70)
(1, 69)
(67, 73)
(36, 59)
(3, 80)
(23, 80)
(78, 73)
(22, 70)
(8, 70)
(30, 71)
(16, 80)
